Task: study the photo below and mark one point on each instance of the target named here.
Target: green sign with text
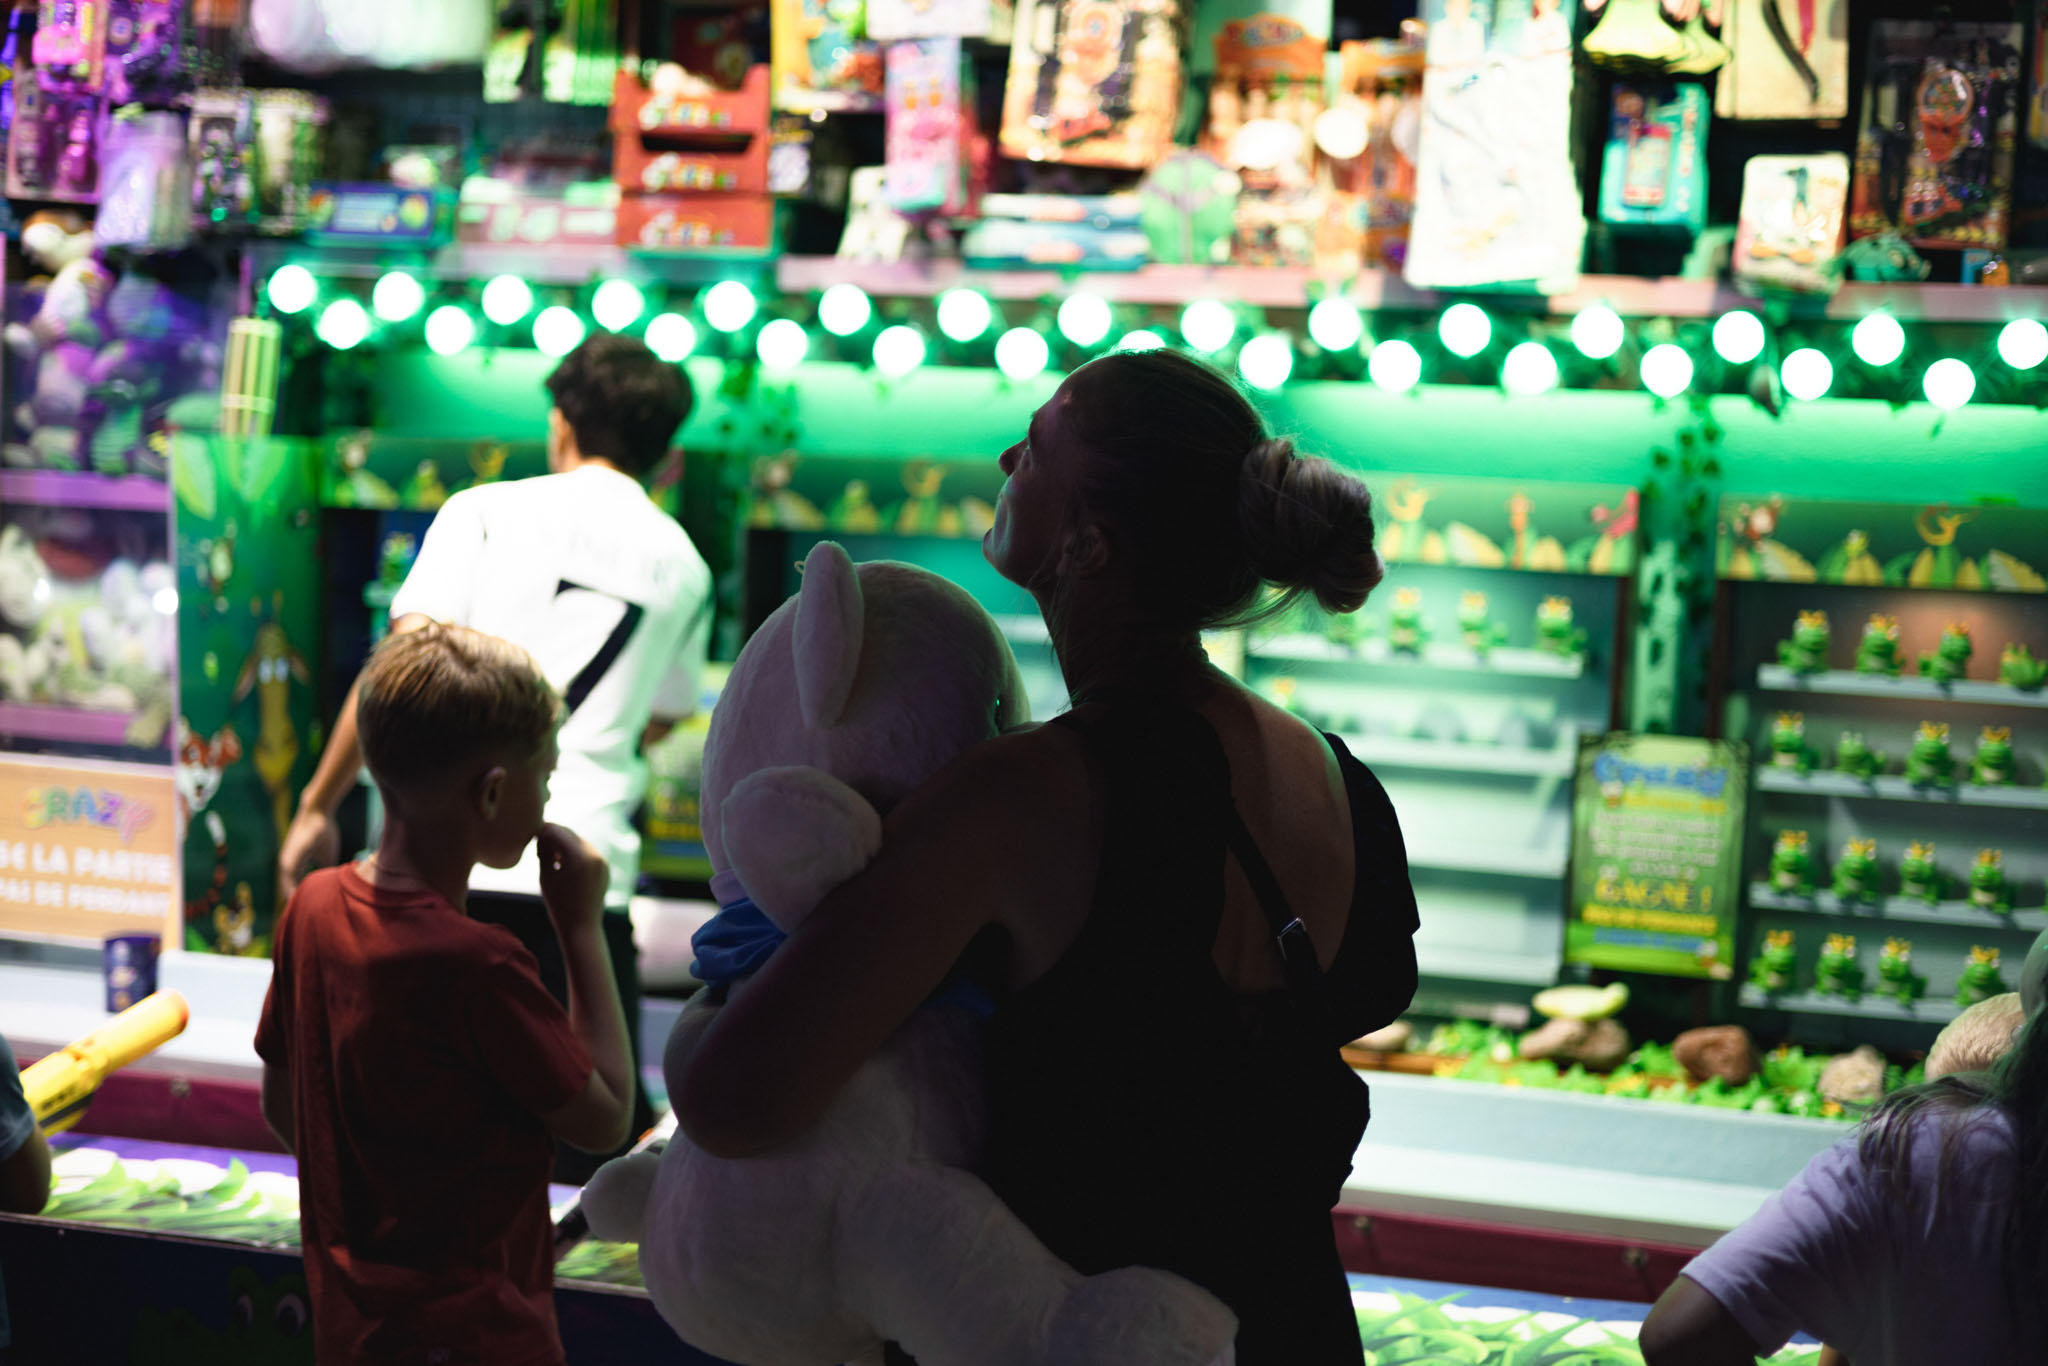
(1657, 826)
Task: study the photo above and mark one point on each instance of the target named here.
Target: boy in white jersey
(606, 591)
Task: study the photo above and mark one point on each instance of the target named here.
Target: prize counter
(202, 1242)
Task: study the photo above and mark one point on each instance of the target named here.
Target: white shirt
(609, 596)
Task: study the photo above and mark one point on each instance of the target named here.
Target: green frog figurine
(1895, 973)
(1980, 980)
(1929, 764)
(1878, 651)
(2017, 668)
(1345, 629)
(1919, 878)
(1991, 765)
(1856, 870)
(1406, 631)
(1951, 657)
(1855, 757)
(1788, 743)
(1836, 972)
(1555, 633)
(1480, 631)
(1771, 970)
(1807, 651)
(1989, 890)
(1791, 864)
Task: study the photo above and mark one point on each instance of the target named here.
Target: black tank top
(1141, 1112)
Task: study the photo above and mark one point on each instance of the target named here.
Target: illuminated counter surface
(184, 1254)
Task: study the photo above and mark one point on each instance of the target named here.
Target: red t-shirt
(422, 1048)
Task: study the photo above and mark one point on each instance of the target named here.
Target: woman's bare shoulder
(1018, 772)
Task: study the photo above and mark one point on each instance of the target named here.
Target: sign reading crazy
(86, 849)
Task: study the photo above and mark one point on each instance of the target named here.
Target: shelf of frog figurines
(1822, 783)
(1507, 660)
(1850, 683)
(1930, 1010)
(1960, 914)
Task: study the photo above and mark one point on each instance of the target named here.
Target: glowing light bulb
(671, 336)
(507, 299)
(1949, 384)
(1208, 325)
(1667, 370)
(165, 601)
(396, 296)
(782, 345)
(1084, 319)
(1529, 369)
(449, 329)
(1021, 353)
(1738, 337)
(1807, 374)
(343, 324)
(292, 289)
(1878, 339)
(1266, 361)
(1598, 332)
(728, 305)
(1464, 329)
(557, 331)
(2023, 344)
(1395, 366)
(1335, 325)
(898, 351)
(964, 314)
(1144, 339)
(617, 305)
(844, 310)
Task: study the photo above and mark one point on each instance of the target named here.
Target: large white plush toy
(869, 1228)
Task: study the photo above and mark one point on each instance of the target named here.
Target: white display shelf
(1460, 757)
(1848, 683)
(1480, 965)
(1502, 860)
(1508, 660)
(1896, 789)
(1929, 1010)
(1900, 908)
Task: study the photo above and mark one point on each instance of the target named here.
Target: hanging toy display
(1790, 232)
(1094, 82)
(1656, 36)
(930, 126)
(146, 183)
(1934, 158)
(1788, 59)
(1369, 138)
(1263, 105)
(1496, 200)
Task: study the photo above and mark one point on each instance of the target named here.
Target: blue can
(130, 969)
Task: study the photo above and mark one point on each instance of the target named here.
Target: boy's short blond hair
(1975, 1040)
(441, 697)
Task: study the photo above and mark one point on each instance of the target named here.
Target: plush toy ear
(827, 636)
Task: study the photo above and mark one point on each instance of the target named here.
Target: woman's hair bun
(1307, 525)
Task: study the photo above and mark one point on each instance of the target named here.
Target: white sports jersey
(607, 593)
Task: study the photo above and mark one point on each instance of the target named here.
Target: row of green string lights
(1464, 342)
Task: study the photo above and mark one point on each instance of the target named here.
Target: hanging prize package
(929, 130)
(1263, 103)
(1790, 60)
(821, 57)
(1934, 160)
(1653, 173)
(1368, 140)
(1093, 82)
(891, 21)
(1496, 201)
(1656, 37)
(1790, 230)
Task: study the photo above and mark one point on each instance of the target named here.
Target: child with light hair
(1975, 1040)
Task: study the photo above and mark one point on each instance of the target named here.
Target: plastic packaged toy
(146, 183)
(1496, 199)
(1790, 231)
(1093, 82)
(1370, 137)
(1653, 174)
(1934, 157)
(53, 144)
(821, 58)
(929, 128)
(70, 45)
(1785, 62)
(1264, 102)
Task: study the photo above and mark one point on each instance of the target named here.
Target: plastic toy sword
(59, 1086)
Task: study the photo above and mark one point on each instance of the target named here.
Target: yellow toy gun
(59, 1086)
